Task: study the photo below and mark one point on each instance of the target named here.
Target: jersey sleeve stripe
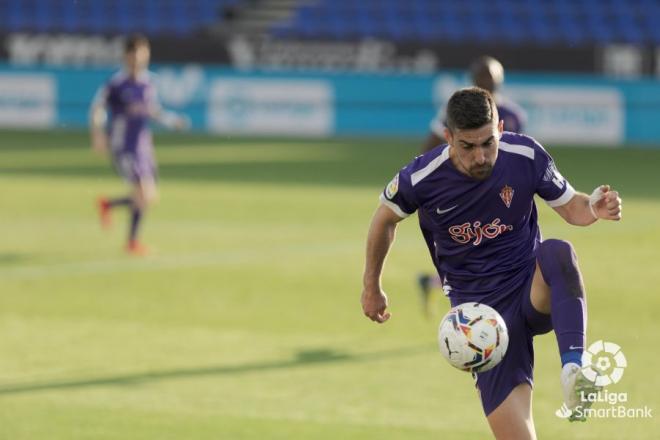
(420, 175)
(517, 149)
(393, 206)
(569, 192)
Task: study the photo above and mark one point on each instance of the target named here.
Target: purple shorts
(523, 323)
(135, 168)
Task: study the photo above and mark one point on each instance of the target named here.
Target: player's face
(137, 60)
(474, 151)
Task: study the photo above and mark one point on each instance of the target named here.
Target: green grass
(245, 322)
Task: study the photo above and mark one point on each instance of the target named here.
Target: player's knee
(147, 200)
(149, 194)
(556, 249)
(150, 200)
(136, 203)
(139, 201)
(144, 196)
(557, 259)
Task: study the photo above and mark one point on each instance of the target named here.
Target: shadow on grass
(354, 171)
(11, 258)
(320, 162)
(302, 358)
(353, 163)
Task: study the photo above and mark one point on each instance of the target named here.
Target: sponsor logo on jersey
(467, 232)
(507, 195)
(392, 187)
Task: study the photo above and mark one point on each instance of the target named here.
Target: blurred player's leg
(426, 283)
(143, 195)
(105, 206)
(512, 419)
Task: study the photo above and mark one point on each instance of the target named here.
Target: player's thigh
(124, 165)
(539, 294)
(512, 419)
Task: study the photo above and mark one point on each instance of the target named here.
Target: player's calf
(559, 268)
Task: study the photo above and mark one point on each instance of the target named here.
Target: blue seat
(600, 31)
(15, 16)
(545, 22)
(149, 16)
(629, 30)
(453, 30)
(42, 15)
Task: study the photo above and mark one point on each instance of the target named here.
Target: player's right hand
(183, 123)
(374, 305)
(100, 142)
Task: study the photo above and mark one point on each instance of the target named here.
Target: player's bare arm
(582, 210)
(379, 240)
(169, 119)
(97, 120)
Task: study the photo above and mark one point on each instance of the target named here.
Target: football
(473, 337)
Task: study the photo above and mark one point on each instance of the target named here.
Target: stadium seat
(546, 22)
(110, 16)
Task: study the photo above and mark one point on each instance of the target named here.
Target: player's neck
(135, 74)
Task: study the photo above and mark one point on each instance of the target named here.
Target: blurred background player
(131, 100)
(487, 73)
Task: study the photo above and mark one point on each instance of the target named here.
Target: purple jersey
(481, 234)
(130, 102)
(512, 114)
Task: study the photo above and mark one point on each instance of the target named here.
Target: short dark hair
(470, 108)
(134, 41)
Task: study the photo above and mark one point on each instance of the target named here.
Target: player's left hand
(605, 203)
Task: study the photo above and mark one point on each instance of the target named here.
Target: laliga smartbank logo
(603, 364)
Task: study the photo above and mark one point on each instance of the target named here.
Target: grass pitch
(245, 322)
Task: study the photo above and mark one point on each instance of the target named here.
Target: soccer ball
(473, 337)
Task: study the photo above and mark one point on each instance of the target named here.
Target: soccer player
(475, 200)
(486, 72)
(131, 101)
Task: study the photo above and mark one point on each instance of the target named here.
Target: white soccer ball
(473, 337)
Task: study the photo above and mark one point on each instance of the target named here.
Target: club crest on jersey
(507, 195)
(476, 231)
(392, 187)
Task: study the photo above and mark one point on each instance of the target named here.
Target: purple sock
(568, 307)
(136, 216)
(121, 201)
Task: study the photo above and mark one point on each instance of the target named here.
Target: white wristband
(594, 198)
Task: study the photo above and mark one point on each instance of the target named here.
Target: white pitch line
(165, 262)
